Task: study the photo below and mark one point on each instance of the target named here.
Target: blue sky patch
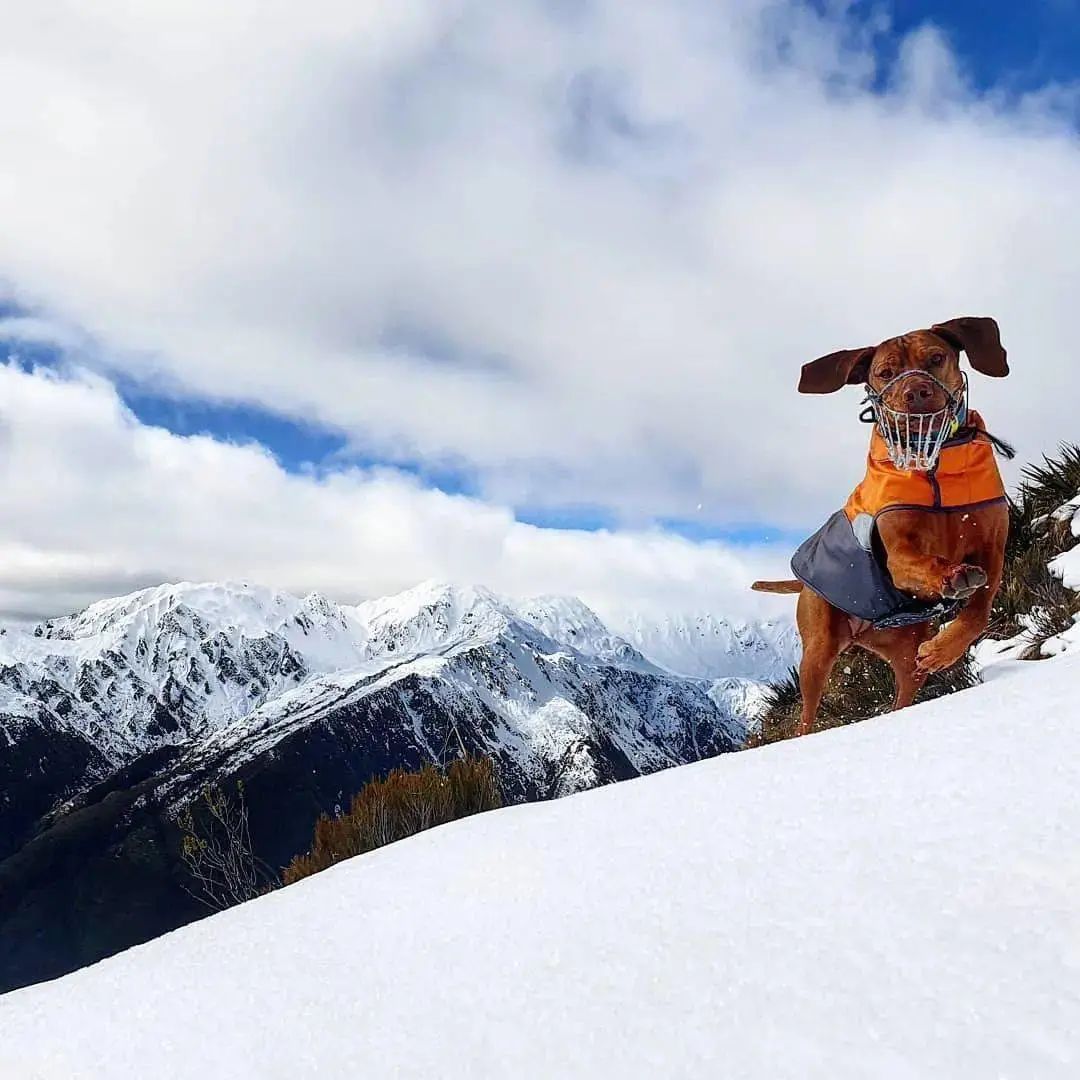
(1015, 45)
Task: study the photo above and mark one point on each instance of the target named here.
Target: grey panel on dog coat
(844, 562)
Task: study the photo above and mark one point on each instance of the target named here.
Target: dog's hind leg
(825, 633)
(899, 648)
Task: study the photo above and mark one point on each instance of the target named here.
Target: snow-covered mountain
(893, 899)
(707, 646)
(176, 662)
(113, 719)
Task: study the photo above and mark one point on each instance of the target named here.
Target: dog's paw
(962, 581)
(936, 655)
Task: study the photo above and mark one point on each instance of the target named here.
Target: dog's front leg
(930, 577)
(978, 537)
(955, 638)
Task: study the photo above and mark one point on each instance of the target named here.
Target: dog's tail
(777, 586)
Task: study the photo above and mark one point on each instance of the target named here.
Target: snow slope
(897, 899)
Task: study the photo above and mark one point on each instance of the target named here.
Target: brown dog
(935, 543)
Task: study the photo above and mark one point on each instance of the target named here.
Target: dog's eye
(937, 360)
(885, 374)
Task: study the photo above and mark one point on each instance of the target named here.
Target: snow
(896, 899)
(989, 653)
(741, 697)
(1067, 565)
(568, 620)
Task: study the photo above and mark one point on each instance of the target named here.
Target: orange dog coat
(966, 475)
(844, 560)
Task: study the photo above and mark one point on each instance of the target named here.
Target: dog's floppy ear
(829, 373)
(980, 338)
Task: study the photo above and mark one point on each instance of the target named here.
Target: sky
(506, 293)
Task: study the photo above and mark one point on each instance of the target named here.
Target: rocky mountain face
(114, 719)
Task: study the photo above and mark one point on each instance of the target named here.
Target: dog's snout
(919, 393)
(913, 394)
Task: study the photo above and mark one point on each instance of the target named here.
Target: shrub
(1031, 598)
(216, 851)
(1050, 485)
(405, 803)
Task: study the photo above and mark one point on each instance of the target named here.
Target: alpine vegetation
(217, 852)
(403, 804)
(860, 686)
(1036, 604)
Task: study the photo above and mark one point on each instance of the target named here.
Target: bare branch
(216, 851)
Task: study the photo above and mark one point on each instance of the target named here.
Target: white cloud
(581, 248)
(95, 503)
(632, 222)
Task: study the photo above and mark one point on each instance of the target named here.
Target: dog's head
(935, 351)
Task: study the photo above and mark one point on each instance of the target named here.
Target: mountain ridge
(176, 661)
(118, 718)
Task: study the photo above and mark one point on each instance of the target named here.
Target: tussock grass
(861, 686)
(1054, 481)
(1032, 598)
